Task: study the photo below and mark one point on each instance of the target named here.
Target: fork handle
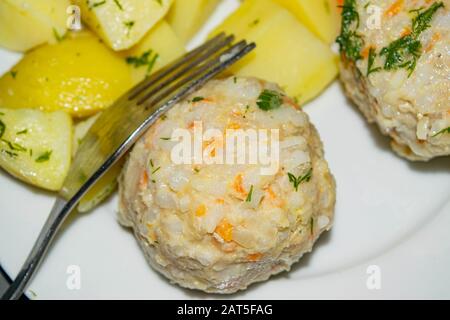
(59, 213)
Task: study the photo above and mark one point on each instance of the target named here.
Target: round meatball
(401, 80)
(220, 227)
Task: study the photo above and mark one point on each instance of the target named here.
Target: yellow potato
(122, 23)
(107, 184)
(159, 47)
(187, 17)
(287, 52)
(319, 16)
(101, 190)
(79, 75)
(25, 24)
(35, 146)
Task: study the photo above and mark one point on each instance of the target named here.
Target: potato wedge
(187, 17)
(159, 47)
(35, 146)
(79, 75)
(122, 23)
(101, 190)
(108, 183)
(319, 16)
(25, 24)
(287, 52)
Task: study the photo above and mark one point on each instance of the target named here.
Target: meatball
(401, 86)
(220, 227)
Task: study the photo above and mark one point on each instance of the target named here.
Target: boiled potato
(79, 75)
(107, 184)
(101, 190)
(25, 24)
(319, 16)
(159, 47)
(36, 146)
(287, 52)
(187, 17)
(122, 23)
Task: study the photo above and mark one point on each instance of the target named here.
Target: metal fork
(119, 127)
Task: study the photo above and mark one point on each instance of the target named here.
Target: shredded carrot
(236, 113)
(365, 52)
(395, 8)
(225, 230)
(144, 180)
(340, 3)
(435, 38)
(406, 31)
(238, 184)
(253, 257)
(220, 201)
(271, 193)
(234, 126)
(201, 211)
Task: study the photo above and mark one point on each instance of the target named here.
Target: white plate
(390, 213)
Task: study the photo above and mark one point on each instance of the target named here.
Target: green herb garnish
(156, 170)
(14, 146)
(129, 25)
(2, 128)
(297, 181)
(97, 4)
(13, 74)
(148, 58)
(118, 5)
(402, 53)
(9, 153)
(254, 23)
(405, 51)
(24, 131)
(371, 62)
(57, 36)
(165, 139)
(44, 157)
(350, 42)
(269, 100)
(422, 21)
(249, 196)
(198, 99)
(446, 130)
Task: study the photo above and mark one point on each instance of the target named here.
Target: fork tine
(185, 68)
(201, 64)
(154, 78)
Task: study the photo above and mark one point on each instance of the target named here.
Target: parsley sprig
(269, 100)
(443, 131)
(350, 41)
(297, 181)
(404, 52)
(148, 58)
